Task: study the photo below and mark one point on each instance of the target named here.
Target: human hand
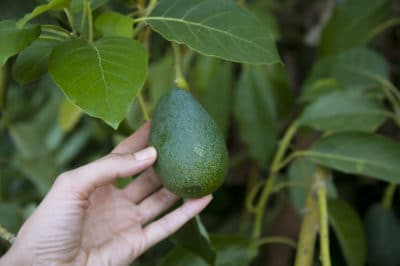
(85, 220)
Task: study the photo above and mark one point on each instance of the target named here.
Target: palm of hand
(85, 220)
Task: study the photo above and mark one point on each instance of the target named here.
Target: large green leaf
(33, 61)
(359, 153)
(15, 39)
(383, 233)
(212, 82)
(51, 5)
(230, 249)
(114, 24)
(101, 77)
(215, 28)
(194, 237)
(352, 23)
(353, 69)
(349, 231)
(255, 112)
(344, 111)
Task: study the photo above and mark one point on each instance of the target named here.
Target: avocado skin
(192, 155)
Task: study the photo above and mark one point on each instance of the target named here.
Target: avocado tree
(309, 110)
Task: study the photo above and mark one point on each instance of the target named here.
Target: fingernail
(145, 154)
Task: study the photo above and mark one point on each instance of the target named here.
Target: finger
(106, 170)
(142, 186)
(170, 223)
(134, 142)
(157, 203)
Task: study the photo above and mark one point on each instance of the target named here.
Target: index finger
(134, 142)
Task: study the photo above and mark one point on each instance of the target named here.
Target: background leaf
(68, 115)
(194, 237)
(358, 153)
(383, 232)
(344, 111)
(351, 70)
(32, 63)
(212, 80)
(254, 110)
(215, 28)
(102, 78)
(114, 24)
(14, 39)
(352, 23)
(51, 5)
(230, 248)
(349, 230)
(301, 172)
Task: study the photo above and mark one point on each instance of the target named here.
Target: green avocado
(192, 155)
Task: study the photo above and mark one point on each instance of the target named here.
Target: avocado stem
(180, 80)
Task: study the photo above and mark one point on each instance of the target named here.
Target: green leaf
(358, 153)
(212, 82)
(51, 5)
(101, 77)
(15, 39)
(352, 23)
(114, 24)
(301, 172)
(68, 116)
(230, 249)
(383, 233)
(32, 63)
(254, 110)
(349, 230)
(193, 236)
(353, 69)
(215, 28)
(344, 111)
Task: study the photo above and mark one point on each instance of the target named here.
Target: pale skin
(85, 220)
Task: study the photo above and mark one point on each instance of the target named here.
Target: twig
(6, 235)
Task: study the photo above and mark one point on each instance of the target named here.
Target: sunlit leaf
(114, 24)
(215, 28)
(102, 77)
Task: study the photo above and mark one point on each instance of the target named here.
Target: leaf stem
(6, 235)
(150, 7)
(143, 107)
(180, 80)
(269, 185)
(83, 21)
(251, 196)
(275, 240)
(52, 38)
(308, 232)
(56, 32)
(387, 199)
(382, 27)
(321, 175)
(71, 20)
(90, 21)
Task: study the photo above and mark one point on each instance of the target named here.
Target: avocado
(192, 155)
